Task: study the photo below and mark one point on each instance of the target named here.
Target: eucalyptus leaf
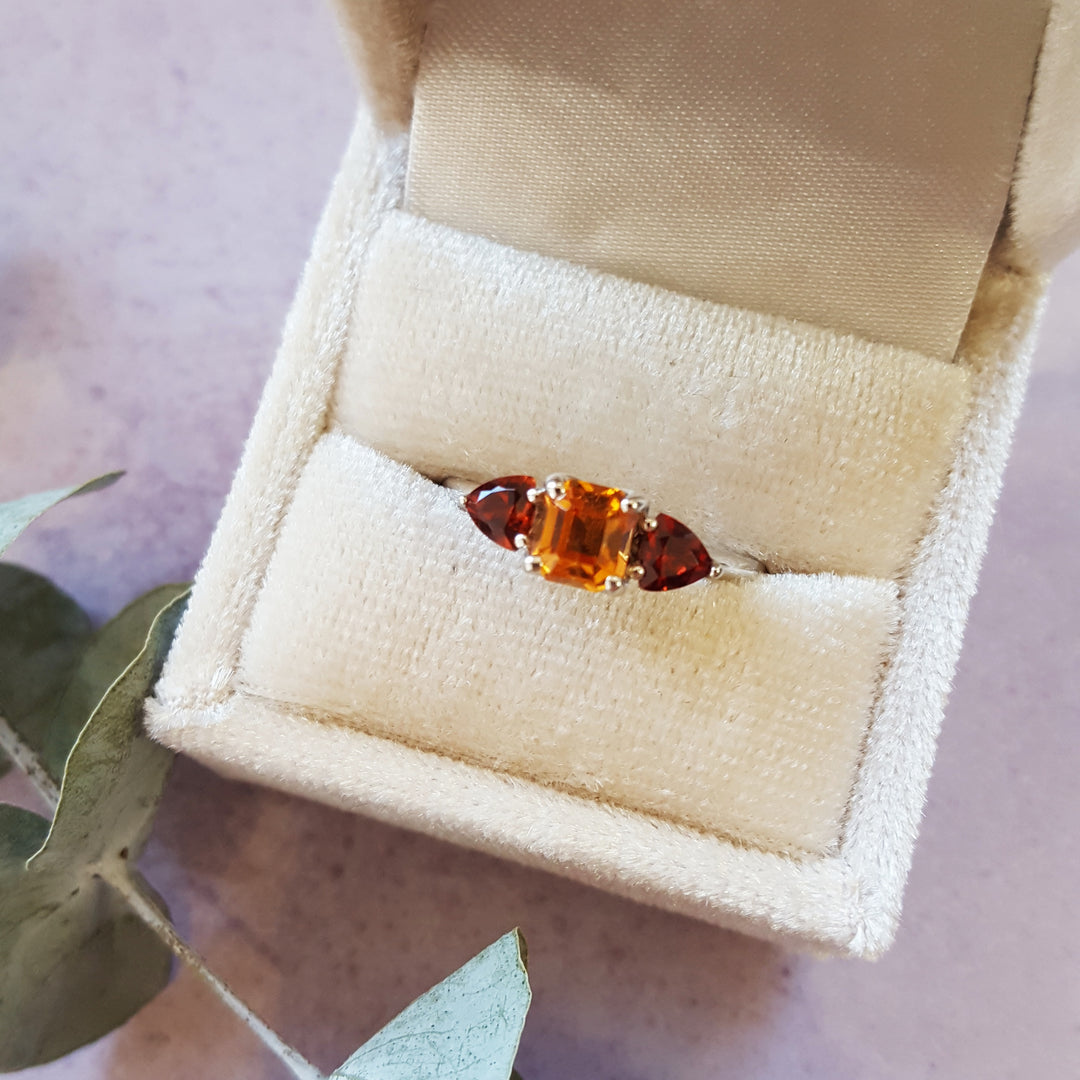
(32, 619)
(22, 833)
(104, 658)
(115, 774)
(17, 514)
(466, 1028)
(75, 961)
(43, 634)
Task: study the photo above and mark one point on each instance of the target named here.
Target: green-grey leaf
(74, 960)
(115, 774)
(466, 1028)
(103, 661)
(43, 633)
(17, 514)
(21, 834)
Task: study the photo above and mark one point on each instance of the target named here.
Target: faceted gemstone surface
(671, 556)
(501, 510)
(584, 537)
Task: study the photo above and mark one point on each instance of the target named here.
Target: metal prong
(534, 493)
(613, 584)
(634, 504)
(648, 525)
(728, 572)
(520, 541)
(636, 572)
(733, 565)
(462, 501)
(555, 486)
(532, 563)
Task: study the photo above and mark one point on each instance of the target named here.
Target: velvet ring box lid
(778, 266)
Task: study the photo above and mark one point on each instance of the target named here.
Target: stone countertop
(166, 165)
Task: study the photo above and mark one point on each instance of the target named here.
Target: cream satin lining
(844, 163)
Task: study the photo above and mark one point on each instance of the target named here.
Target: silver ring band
(598, 538)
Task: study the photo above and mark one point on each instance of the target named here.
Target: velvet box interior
(778, 266)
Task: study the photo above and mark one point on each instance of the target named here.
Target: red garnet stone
(501, 508)
(670, 556)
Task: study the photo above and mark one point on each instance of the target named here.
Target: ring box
(778, 267)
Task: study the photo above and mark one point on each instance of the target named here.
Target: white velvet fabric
(1044, 223)
(810, 449)
(736, 707)
(273, 617)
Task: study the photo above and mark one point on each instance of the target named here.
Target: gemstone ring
(594, 537)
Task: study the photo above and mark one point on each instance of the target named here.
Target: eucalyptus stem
(121, 879)
(153, 917)
(25, 758)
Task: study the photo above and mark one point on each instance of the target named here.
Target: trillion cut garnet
(501, 508)
(671, 556)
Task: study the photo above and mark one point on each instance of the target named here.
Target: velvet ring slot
(738, 709)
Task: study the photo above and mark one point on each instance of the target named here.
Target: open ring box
(778, 266)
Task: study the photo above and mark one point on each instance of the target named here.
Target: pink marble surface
(164, 166)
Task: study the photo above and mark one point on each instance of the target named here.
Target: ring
(594, 537)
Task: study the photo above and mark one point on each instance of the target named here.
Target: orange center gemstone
(584, 537)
